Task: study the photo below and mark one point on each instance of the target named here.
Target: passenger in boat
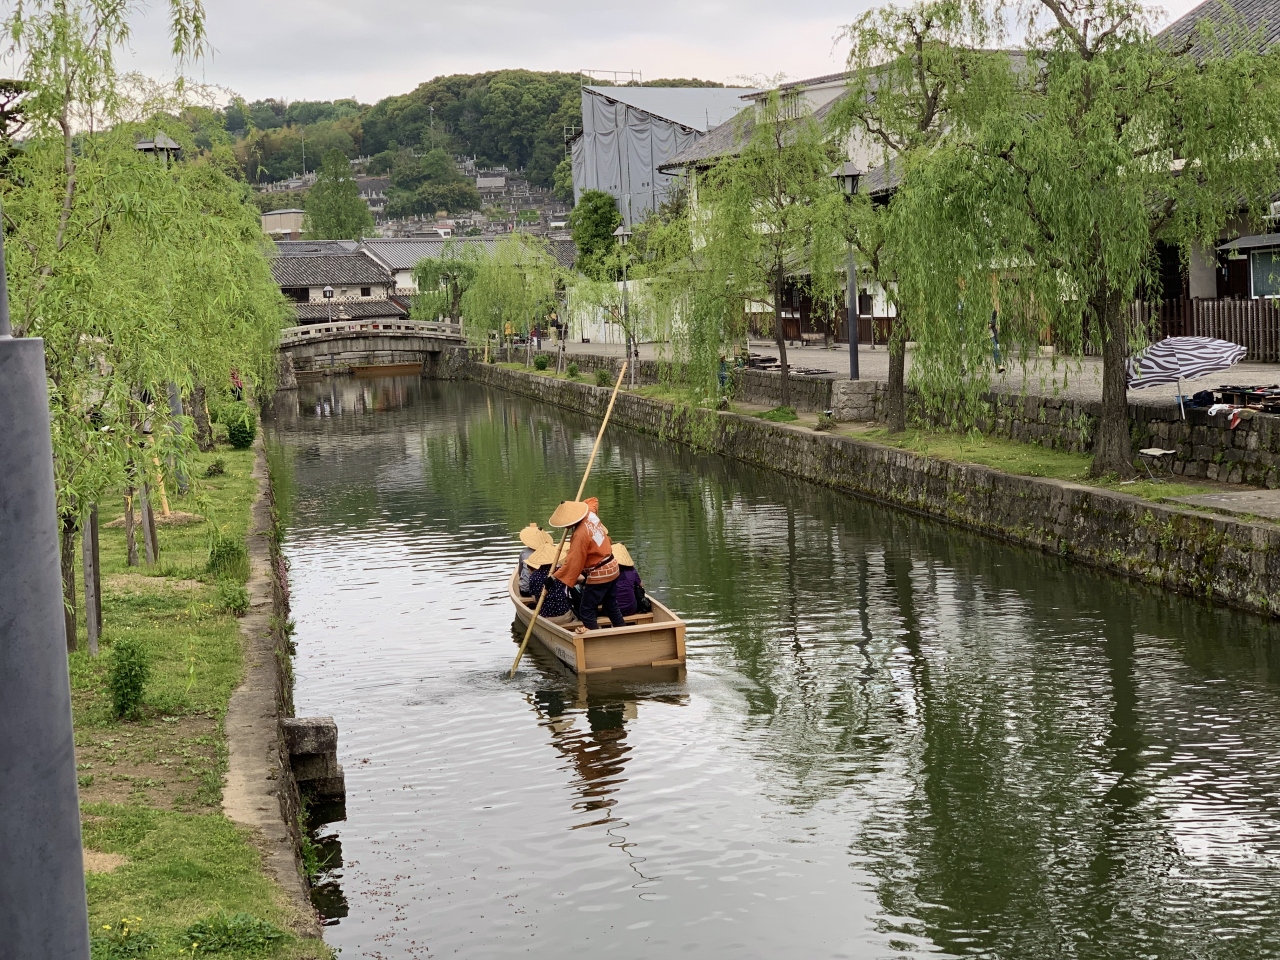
(533, 537)
(629, 589)
(590, 555)
(558, 605)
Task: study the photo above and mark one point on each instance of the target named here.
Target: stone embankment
(1205, 446)
(1227, 560)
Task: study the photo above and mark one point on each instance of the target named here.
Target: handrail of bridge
(291, 336)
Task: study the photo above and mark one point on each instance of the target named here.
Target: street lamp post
(623, 235)
(848, 175)
(42, 899)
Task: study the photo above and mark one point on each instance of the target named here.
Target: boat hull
(648, 640)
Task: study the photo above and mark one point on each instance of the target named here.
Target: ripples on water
(892, 737)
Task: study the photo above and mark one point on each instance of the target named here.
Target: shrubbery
(604, 378)
(228, 559)
(541, 361)
(242, 427)
(573, 371)
(235, 933)
(127, 676)
(232, 598)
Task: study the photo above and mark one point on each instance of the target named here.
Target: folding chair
(1155, 457)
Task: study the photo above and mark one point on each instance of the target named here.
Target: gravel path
(1077, 379)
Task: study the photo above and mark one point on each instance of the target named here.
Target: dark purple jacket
(627, 582)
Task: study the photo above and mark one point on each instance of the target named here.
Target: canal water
(892, 737)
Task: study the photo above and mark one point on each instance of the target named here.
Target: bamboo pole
(564, 539)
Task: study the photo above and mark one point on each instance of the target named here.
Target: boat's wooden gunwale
(576, 650)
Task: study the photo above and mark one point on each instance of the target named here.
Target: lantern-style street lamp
(848, 177)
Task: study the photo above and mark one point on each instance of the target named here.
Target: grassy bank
(165, 869)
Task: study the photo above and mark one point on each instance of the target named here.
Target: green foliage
(232, 598)
(444, 279)
(240, 933)
(541, 362)
(127, 677)
(825, 421)
(1069, 161)
(511, 117)
(513, 288)
(604, 378)
(228, 559)
(572, 371)
(562, 180)
(334, 208)
(592, 223)
(428, 184)
(779, 415)
(241, 424)
(122, 940)
(215, 469)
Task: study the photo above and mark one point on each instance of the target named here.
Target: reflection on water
(891, 738)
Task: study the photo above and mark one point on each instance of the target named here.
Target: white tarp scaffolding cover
(628, 132)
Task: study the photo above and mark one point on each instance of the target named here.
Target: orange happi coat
(588, 547)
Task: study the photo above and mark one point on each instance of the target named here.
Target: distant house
(399, 257)
(629, 133)
(283, 224)
(361, 287)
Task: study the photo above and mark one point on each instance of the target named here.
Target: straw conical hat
(623, 555)
(533, 536)
(541, 556)
(568, 513)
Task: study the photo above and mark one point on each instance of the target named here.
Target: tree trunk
(92, 581)
(149, 538)
(779, 339)
(896, 404)
(200, 414)
(130, 529)
(1113, 446)
(68, 545)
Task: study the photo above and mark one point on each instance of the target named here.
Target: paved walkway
(1077, 379)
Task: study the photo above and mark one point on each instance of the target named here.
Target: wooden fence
(1254, 324)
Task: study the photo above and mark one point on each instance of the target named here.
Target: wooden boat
(648, 640)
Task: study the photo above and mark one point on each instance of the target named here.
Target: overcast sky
(369, 49)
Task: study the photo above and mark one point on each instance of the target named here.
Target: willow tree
(513, 289)
(907, 68)
(138, 271)
(770, 212)
(1070, 166)
(614, 294)
(444, 279)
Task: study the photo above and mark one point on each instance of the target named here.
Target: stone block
(314, 766)
(310, 735)
(329, 788)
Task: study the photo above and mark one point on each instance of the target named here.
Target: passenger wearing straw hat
(629, 589)
(590, 555)
(533, 537)
(558, 605)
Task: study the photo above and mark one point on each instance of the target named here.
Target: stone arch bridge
(366, 347)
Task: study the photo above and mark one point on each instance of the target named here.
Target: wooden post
(92, 580)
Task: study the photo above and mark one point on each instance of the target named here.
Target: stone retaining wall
(1227, 560)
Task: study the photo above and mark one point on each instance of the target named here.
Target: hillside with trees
(512, 118)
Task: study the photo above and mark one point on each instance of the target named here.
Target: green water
(892, 737)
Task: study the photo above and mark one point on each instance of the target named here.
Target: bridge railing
(291, 336)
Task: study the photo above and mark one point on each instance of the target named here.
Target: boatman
(590, 555)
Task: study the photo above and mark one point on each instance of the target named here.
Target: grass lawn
(1020, 459)
(158, 847)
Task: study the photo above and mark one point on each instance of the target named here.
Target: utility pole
(42, 898)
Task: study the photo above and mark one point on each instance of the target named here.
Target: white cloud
(322, 49)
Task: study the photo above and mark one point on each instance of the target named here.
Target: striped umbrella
(1175, 359)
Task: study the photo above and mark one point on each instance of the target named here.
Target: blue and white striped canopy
(1180, 358)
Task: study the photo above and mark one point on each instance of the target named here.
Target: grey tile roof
(730, 137)
(312, 248)
(1257, 16)
(881, 180)
(350, 269)
(1256, 242)
(316, 312)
